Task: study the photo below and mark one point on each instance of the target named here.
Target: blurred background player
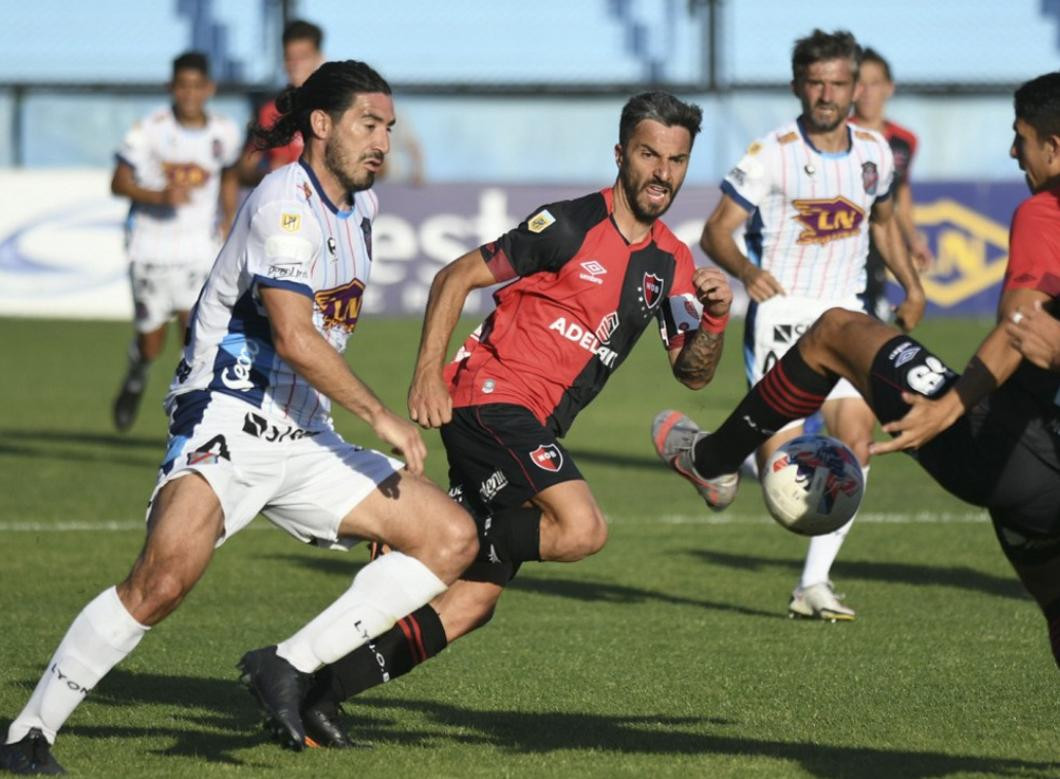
(805, 194)
(877, 87)
(302, 54)
(176, 166)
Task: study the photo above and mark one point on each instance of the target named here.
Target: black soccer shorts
(500, 457)
(978, 459)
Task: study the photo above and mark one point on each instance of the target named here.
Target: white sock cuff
(397, 584)
(113, 623)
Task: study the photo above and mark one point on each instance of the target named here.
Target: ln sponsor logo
(237, 377)
(593, 271)
(586, 339)
(547, 457)
(292, 223)
(827, 220)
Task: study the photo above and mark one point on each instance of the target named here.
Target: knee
(458, 536)
(584, 533)
(152, 595)
(827, 326)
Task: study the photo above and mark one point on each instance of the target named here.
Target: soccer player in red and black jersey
(877, 87)
(587, 277)
(990, 436)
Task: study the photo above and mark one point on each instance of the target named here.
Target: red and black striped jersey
(581, 298)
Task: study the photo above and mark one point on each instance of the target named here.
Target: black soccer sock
(510, 535)
(415, 638)
(790, 390)
(1052, 619)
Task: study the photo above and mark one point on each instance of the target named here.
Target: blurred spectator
(175, 165)
(302, 54)
(877, 87)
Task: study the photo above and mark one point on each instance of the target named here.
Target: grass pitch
(669, 653)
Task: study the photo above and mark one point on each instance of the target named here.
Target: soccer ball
(813, 485)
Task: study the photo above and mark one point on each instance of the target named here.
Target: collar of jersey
(339, 214)
(828, 155)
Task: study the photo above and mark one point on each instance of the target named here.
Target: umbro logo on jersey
(547, 457)
(593, 271)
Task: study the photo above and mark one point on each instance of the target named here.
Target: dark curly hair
(820, 46)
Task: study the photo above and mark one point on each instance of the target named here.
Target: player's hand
(713, 291)
(430, 404)
(910, 311)
(404, 437)
(1036, 335)
(760, 284)
(174, 195)
(920, 254)
(925, 419)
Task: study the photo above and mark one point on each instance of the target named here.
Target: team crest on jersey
(547, 457)
(539, 221)
(870, 177)
(652, 287)
(827, 220)
(292, 223)
(754, 148)
(341, 306)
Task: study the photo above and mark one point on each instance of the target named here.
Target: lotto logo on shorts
(547, 457)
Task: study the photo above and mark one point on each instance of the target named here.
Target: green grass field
(669, 653)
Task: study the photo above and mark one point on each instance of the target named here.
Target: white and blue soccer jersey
(161, 152)
(287, 235)
(809, 223)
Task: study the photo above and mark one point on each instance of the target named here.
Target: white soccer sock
(100, 637)
(824, 550)
(382, 592)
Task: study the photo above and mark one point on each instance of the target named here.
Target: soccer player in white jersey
(805, 195)
(176, 165)
(250, 428)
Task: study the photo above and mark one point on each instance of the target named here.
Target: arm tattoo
(699, 357)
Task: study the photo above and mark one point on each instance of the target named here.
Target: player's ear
(618, 154)
(320, 123)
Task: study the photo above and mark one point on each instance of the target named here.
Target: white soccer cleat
(819, 601)
(675, 436)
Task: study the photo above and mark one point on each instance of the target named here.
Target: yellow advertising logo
(827, 220)
(971, 251)
(292, 223)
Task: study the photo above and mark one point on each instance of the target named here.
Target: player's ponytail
(332, 88)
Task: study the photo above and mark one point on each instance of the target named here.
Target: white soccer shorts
(160, 290)
(302, 482)
(776, 325)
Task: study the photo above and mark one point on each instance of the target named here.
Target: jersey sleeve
(284, 242)
(1034, 246)
(134, 149)
(888, 179)
(751, 180)
(544, 241)
(681, 310)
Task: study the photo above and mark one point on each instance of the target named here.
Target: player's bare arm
(993, 363)
(916, 243)
(124, 184)
(1036, 335)
(898, 261)
(299, 344)
(719, 245)
(695, 362)
(429, 402)
(229, 198)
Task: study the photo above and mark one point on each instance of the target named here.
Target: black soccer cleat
(128, 403)
(322, 728)
(279, 688)
(31, 755)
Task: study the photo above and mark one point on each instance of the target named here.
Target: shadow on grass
(576, 589)
(542, 732)
(102, 447)
(621, 460)
(119, 440)
(961, 577)
(216, 718)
